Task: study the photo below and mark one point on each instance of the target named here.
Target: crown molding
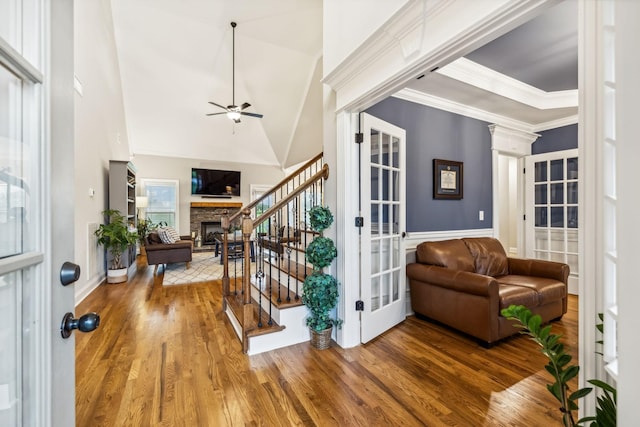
(564, 121)
(464, 110)
(477, 75)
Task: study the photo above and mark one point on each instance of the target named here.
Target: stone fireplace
(206, 217)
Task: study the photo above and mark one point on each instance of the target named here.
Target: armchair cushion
(489, 255)
(452, 254)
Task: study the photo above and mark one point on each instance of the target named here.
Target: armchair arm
(539, 268)
(455, 280)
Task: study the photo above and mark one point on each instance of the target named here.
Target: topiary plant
(320, 296)
(320, 218)
(321, 251)
(320, 290)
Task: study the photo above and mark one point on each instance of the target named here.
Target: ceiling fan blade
(244, 113)
(217, 105)
(216, 114)
(245, 105)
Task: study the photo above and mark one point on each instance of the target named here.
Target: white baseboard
(84, 290)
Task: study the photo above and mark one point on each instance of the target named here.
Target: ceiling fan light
(233, 115)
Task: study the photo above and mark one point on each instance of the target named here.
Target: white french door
(552, 209)
(382, 257)
(36, 213)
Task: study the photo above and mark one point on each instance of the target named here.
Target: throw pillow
(173, 233)
(166, 236)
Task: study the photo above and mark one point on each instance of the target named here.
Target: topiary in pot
(320, 296)
(320, 290)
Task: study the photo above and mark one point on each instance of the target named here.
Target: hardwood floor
(167, 356)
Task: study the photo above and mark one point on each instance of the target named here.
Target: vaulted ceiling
(175, 57)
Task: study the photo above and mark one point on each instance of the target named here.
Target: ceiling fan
(232, 111)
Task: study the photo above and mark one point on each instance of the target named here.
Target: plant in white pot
(116, 237)
(320, 290)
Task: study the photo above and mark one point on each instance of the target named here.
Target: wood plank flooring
(167, 356)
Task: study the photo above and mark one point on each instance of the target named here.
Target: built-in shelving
(122, 197)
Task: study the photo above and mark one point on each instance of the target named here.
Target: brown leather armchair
(464, 283)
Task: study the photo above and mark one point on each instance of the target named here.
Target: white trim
(17, 64)
(379, 67)
(422, 98)
(258, 188)
(349, 245)
(18, 262)
(176, 183)
(443, 104)
(487, 79)
(590, 257)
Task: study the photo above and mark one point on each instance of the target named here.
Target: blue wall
(436, 134)
(559, 139)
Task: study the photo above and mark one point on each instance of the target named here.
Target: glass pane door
(383, 260)
(555, 208)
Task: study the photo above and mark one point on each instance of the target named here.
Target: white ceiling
(174, 57)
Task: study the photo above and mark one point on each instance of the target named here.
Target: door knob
(86, 323)
(69, 273)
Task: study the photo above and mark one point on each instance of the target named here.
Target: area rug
(204, 266)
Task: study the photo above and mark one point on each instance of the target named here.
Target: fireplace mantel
(237, 205)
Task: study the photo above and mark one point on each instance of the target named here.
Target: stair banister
(249, 321)
(323, 173)
(278, 185)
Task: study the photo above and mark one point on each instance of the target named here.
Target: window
(162, 199)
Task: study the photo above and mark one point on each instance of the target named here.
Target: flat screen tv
(213, 182)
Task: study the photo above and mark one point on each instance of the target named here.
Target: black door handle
(86, 323)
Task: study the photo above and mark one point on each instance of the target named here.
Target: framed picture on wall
(447, 179)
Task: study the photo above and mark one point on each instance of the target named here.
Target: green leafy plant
(320, 296)
(320, 290)
(321, 251)
(146, 226)
(320, 218)
(115, 236)
(563, 372)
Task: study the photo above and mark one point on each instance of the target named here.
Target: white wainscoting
(412, 240)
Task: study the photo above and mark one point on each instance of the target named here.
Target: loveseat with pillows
(165, 246)
(464, 283)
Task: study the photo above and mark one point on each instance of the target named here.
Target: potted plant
(116, 237)
(145, 226)
(320, 290)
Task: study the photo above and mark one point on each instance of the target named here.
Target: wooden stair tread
(290, 268)
(284, 303)
(236, 305)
